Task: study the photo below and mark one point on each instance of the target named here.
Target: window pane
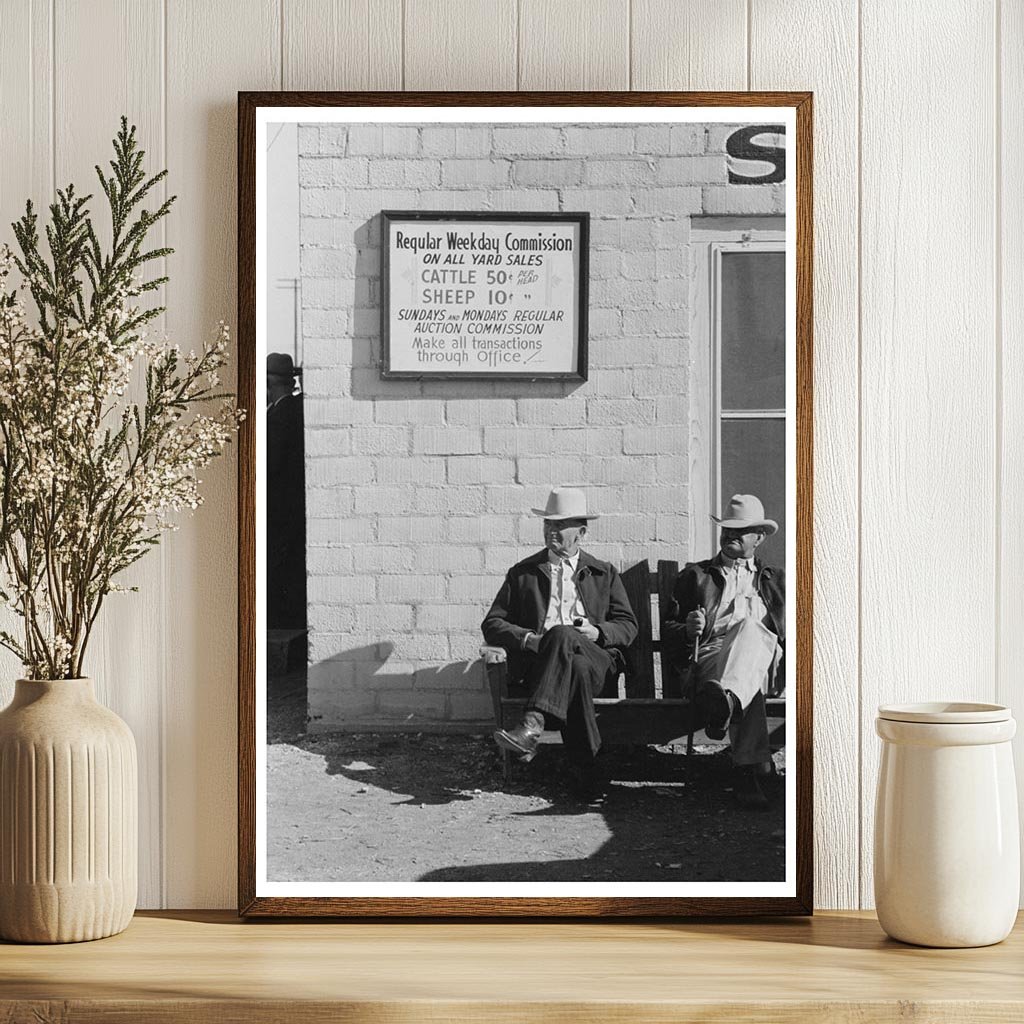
(754, 462)
(753, 330)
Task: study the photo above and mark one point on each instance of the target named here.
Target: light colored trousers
(748, 730)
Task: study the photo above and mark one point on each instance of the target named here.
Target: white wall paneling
(460, 44)
(26, 106)
(573, 44)
(1009, 412)
(928, 525)
(698, 44)
(126, 654)
(832, 74)
(26, 169)
(342, 44)
(213, 50)
(919, 305)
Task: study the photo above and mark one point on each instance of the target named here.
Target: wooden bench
(644, 708)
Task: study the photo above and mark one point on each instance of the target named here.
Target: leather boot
(523, 739)
(718, 706)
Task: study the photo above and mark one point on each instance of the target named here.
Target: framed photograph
(486, 296)
(527, 468)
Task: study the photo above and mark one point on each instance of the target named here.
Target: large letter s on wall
(741, 146)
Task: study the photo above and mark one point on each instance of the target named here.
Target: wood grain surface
(200, 967)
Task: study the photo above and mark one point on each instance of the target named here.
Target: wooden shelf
(209, 966)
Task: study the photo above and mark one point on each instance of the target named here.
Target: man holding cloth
(726, 624)
(563, 617)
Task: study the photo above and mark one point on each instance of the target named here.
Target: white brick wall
(418, 493)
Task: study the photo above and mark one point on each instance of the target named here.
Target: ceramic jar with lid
(947, 847)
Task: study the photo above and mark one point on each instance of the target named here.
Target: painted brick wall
(418, 493)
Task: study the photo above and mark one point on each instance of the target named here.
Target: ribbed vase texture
(68, 815)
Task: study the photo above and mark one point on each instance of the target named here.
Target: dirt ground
(349, 807)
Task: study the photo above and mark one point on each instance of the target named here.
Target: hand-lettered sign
(484, 295)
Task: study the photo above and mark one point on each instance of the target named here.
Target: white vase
(68, 815)
(947, 847)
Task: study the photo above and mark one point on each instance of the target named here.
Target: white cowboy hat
(746, 510)
(565, 503)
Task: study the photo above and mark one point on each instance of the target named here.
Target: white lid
(945, 712)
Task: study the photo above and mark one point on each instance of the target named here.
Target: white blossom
(87, 484)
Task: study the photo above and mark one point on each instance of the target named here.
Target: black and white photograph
(525, 503)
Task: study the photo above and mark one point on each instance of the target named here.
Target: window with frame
(752, 384)
(738, 418)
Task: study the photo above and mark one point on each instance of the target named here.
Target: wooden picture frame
(657, 109)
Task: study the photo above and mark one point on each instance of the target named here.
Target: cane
(693, 692)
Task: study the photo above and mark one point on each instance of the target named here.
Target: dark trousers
(564, 677)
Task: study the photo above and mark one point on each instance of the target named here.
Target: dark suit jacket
(522, 605)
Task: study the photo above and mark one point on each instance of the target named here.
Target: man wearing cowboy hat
(563, 617)
(727, 624)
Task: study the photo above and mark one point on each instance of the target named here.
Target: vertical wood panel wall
(918, 296)
(774, 63)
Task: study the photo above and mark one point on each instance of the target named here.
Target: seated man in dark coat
(726, 624)
(563, 617)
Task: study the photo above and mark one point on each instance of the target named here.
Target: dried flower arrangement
(89, 478)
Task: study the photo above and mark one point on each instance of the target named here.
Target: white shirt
(740, 599)
(564, 605)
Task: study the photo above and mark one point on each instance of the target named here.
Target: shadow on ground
(427, 807)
